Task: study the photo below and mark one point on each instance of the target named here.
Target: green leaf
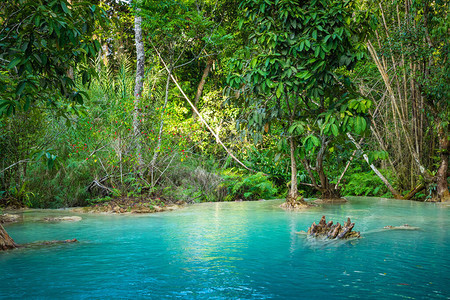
(26, 106)
(334, 129)
(65, 8)
(20, 87)
(277, 157)
(279, 90)
(308, 44)
(14, 62)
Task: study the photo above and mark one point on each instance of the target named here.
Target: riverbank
(130, 205)
(123, 205)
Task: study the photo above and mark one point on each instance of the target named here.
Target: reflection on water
(246, 250)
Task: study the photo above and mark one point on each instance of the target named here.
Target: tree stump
(6, 242)
(329, 231)
(294, 203)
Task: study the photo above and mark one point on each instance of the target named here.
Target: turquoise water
(242, 250)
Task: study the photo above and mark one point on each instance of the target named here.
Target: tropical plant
(288, 71)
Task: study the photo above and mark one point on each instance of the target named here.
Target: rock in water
(401, 227)
(329, 231)
(61, 219)
(9, 218)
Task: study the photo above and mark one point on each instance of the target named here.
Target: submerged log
(329, 231)
(46, 243)
(7, 243)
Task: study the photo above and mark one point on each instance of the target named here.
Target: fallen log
(7, 243)
(329, 231)
(98, 184)
(46, 243)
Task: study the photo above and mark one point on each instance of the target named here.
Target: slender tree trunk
(138, 87)
(104, 53)
(442, 192)
(345, 169)
(6, 242)
(293, 199)
(201, 85)
(293, 190)
(161, 127)
(200, 118)
(327, 190)
(385, 181)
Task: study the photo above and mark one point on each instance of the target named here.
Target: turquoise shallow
(242, 250)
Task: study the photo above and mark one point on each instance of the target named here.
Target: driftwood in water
(330, 231)
(6, 242)
(45, 243)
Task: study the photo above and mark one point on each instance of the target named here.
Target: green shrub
(247, 187)
(365, 184)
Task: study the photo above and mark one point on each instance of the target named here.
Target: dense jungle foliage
(223, 100)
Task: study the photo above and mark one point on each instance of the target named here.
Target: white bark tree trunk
(138, 87)
(293, 190)
(366, 158)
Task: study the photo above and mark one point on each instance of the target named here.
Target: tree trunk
(200, 117)
(328, 191)
(442, 193)
(293, 199)
(6, 242)
(202, 84)
(293, 190)
(396, 194)
(161, 128)
(138, 87)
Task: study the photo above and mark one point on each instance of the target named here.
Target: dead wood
(329, 231)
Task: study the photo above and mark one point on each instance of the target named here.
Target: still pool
(239, 250)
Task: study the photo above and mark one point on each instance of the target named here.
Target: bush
(247, 187)
(365, 184)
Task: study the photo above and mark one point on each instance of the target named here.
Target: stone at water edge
(401, 227)
(60, 219)
(331, 201)
(9, 218)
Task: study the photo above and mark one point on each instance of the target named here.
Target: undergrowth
(241, 186)
(365, 184)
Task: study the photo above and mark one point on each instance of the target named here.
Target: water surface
(239, 250)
